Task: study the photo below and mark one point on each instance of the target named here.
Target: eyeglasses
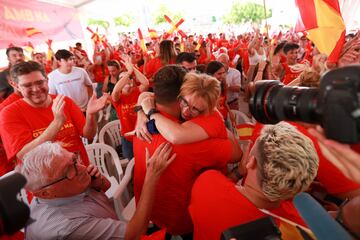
(340, 220)
(71, 172)
(37, 83)
(184, 103)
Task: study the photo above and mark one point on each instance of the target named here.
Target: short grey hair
(287, 161)
(223, 55)
(38, 164)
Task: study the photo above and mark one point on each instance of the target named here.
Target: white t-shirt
(72, 85)
(233, 78)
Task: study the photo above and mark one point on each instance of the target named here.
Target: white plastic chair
(112, 130)
(98, 153)
(124, 206)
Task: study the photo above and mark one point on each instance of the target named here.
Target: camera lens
(272, 102)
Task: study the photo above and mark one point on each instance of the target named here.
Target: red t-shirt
(172, 196)
(223, 43)
(10, 99)
(99, 73)
(334, 181)
(217, 205)
(152, 67)
(125, 111)
(213, 124)
(290, 74)
(5, 165)
(222, 105)
(21, 123)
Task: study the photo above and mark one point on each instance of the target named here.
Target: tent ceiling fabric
(69, 3)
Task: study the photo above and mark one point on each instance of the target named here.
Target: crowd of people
(177, 102)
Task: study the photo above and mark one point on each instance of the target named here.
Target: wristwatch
(151, 112)
(137, 108)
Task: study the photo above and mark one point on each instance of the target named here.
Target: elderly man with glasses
(69, 198)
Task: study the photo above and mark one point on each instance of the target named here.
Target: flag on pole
(95, 35)
(31, 31)
(153, 34)
(324, 23)
(142, 42)
(29, 48)
(50, 52)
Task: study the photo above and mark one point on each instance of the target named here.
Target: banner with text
(24, 21)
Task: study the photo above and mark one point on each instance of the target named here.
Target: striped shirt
(89, 215)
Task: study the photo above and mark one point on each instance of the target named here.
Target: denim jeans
(127, 148)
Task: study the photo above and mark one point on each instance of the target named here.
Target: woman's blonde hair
(202, 86)
(287, 161)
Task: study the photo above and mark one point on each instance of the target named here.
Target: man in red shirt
(292, 69)
(281, 163)
(40, 117)
(5, 165)
(172, 195)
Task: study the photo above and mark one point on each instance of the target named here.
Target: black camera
(13, 213)
(335, 105)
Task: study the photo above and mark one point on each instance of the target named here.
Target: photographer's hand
(341, 155)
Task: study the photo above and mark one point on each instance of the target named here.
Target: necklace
(257, 197)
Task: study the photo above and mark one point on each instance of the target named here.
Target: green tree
(99, 22)
(163, 10)
(124, 20)
(246, 12)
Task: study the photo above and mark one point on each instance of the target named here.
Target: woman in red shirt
(124, 98)
(167, 55)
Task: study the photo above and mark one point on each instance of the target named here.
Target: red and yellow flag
(153, 34)
(31, 31)
(50, 52)
(142, 42)
(95, 35)
(324, 23)
(175, 27)
(245, 131)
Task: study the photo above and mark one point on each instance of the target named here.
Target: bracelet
(138, 108)
(151, 112)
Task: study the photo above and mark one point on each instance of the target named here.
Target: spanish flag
(31, 31)
(324, 23)
(142, 42)
(245, 131)
(153, 34)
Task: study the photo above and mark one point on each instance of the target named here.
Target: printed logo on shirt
(37, 132)
(69, 81)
